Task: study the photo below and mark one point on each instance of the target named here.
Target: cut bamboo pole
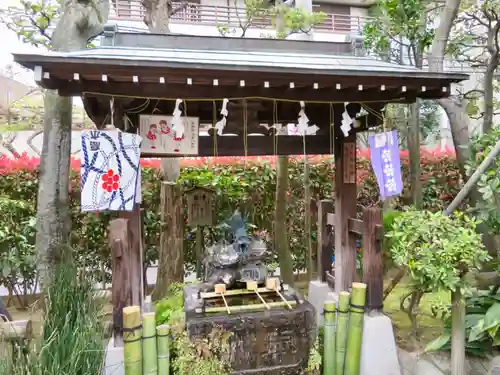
(237, 292)
(263, 300)
(163, 343)
(258, 306)
(287, 303)
(252, 285)
(272, 283)
(355, 335)
(149, 354)
(329, 338)
(342, 325)
(132, 340)
(221, 289)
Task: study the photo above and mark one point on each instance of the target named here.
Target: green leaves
(482, 323)
(437, 250)
(17, 245)
(401, 30)
(489, 183)
(32, 20)
(285, 20)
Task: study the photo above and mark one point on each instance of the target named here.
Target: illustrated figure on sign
(164, 128)
(153, 130)
(178, 141)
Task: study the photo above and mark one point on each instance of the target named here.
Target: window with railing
(338, 16)
(187, 12)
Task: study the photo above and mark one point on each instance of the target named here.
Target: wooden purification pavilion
(265, 81)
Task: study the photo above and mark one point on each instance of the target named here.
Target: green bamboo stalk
(240, 308)
(342, 326)
(329, 337)
(355, 335)
(163, 343)
(132, 340)
(149, 356)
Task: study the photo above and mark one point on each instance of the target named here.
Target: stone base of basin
(267, 342)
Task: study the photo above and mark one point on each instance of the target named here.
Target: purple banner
(384, 155)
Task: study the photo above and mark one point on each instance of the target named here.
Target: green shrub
(250, 187)
(194, 357)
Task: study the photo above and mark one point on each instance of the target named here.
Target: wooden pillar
(171, 268)
(372, 258)
(325, 248)
(345, 204)
(125, 285)
(136, 266)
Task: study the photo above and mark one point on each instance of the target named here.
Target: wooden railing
(212, 15)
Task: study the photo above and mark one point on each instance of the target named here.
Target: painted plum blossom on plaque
(386, 164)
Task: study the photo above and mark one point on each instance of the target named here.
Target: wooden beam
(121, 288)
(259, 146)
(325, 242)
(206, 92)
(372, 259)
(345, 208)
(356, 226)
(136, 267)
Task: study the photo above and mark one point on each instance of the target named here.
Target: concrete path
(437, 364)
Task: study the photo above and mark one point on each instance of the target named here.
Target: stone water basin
(263, 342)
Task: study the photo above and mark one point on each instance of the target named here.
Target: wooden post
(121, 295)
(372, 258)
(325, 248)
(199, 250)
(135, 261)
(345, 205)
(171, 268)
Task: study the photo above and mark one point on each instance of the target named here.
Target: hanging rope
(307, 203)
(235, 98)
(276, 130)
(245, 130)
(275, 144)
(214, 121)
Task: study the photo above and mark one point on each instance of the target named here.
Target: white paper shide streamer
(347, 121)
(221, 124)
(303, 127)
(177, 122)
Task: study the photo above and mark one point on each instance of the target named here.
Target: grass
(428, 327)
(71, 340)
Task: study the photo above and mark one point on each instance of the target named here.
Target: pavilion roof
(184, 66)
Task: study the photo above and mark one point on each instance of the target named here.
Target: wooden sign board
(200, 203)
(159, 139)
(349, 162)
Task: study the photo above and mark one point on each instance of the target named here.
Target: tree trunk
(157, 14)
(280, 222)
(414, 154)
(459, 122)
(171, 260)
(494, 60)
(457, 114)
(80, 20)
(53, 216)
(489, 93)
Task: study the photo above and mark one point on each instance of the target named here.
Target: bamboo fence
(343, 332)
(146, 346)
